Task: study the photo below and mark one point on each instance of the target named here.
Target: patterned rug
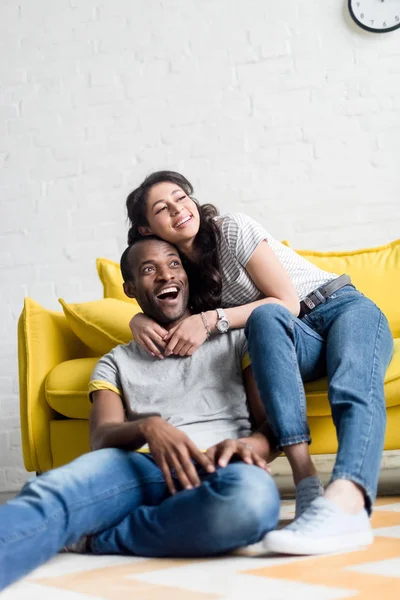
(365, 574)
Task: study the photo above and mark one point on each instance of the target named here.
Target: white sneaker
(323, 528)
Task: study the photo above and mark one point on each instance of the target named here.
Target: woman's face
(171, 214)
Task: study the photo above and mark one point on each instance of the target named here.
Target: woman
(301, 323)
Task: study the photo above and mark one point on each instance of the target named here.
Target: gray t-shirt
(203, 395)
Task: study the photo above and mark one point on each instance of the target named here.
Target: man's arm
(108, 428)
(170, 447)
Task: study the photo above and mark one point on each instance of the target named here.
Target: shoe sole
(280, 545)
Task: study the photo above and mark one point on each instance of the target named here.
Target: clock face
(376, 15)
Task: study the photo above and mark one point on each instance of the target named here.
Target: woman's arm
(271, 279)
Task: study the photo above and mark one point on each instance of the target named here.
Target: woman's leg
(88, 495)
(235, 506)
(284, 352)
(359, 349)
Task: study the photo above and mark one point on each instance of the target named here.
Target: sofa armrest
(44, 340)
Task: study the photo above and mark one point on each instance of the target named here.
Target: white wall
(284, 110)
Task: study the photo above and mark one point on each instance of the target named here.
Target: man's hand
(147, 333)
(221, 454)
(173, 449)
(187, 337)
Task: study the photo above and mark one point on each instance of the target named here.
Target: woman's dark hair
(204, 276)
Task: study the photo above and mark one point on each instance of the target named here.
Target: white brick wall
(283, 110)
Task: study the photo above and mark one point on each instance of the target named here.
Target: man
(174, 500)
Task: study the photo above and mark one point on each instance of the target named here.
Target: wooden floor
(4, 496)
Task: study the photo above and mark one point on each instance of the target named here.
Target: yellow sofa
(58, 350)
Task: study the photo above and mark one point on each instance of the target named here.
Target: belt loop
(320, 297)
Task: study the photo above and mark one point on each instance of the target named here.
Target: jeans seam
(303, 407)
(73, 508)
(372, 380)
(367, 436)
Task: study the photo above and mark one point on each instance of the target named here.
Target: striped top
(240, 236)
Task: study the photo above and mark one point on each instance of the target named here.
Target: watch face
(377, 16)
(223, 326)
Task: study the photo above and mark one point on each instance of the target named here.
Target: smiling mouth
(183, 221)
(170, 293)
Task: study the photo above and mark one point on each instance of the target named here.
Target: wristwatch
(222, 323)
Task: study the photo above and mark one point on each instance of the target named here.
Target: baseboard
(389, 479)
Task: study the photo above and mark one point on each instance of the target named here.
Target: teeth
(183, 221)
(170, 290)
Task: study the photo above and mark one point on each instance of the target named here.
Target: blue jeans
(122, 498)
(346, 338)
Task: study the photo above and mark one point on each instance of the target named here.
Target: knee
(253, 507)
(268, 318)
(257, 495)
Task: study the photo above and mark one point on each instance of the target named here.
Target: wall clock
(377, 16)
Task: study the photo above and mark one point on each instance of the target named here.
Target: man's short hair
(125, 262)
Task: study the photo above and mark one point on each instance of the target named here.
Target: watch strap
(222, 321)
(220, 313)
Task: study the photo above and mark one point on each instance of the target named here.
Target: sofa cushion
(101, 324)
(374, 271)
(67, 388)
(111, 278)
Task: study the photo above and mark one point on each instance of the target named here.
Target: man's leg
(88, 495)
(235, 506)
(285, 352)
(359, 349)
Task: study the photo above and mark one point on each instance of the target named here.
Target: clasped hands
(182, 340)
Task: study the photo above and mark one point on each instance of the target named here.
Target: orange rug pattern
(365, 574)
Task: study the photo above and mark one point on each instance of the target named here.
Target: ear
(143, 230)
(129, 289)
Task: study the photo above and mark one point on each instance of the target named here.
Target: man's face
(160, 283)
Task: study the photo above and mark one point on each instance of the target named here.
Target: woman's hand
(147, 333)
(222, 453)
(186, 338)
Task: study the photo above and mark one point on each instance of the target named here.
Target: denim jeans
(346, 338)
(122, 498)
